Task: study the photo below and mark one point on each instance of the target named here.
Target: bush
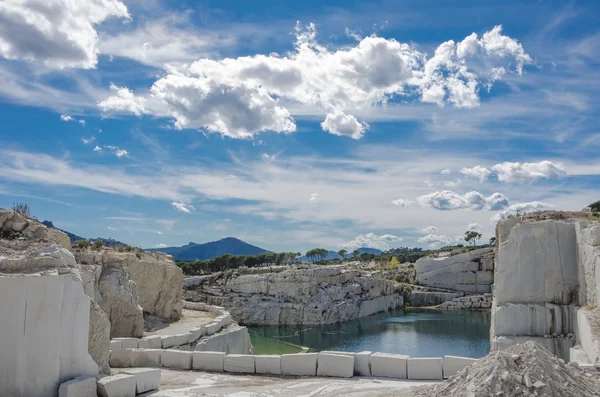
(97, 246)
(83, 244)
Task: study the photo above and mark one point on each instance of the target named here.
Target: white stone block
(388, 365)
(208, 361)
(128, 343)
(146, 379)
(154, 341)
(533, 319)
(485, 277)
(425, 368)
(143, 344)
(454, 364)
(197, 333)
(336, 365)
(268, 364)
(83, 386)
(587, 334)
(302, 364)
(175, 340)
(115, 344)
(362, 364)
(240, 363)
(177, 359)
(145, 358)
(120, 358)
(212, 328)
(120, 385)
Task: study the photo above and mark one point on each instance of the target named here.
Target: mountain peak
(227, 245)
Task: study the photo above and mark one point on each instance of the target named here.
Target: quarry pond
(415, 332)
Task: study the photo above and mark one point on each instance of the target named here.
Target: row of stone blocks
(222, 320)
(129, 383)
(327, 363)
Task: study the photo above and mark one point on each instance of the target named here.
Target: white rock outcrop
(303, 295)
(468, 272)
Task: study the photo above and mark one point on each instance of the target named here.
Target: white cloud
(97, 149)
(435, 239)
(269, 158)
(452, 184)
(81, 121)
(66, 117)
(478, 172)
(476, 227)
(87, 141)
(449, 200)
(446, 171)
(59, 34)
(429, 229)
(161, 245)
(115, 149)
(522, 208)
(402, 203)
(371, 240)
(339, 123)
(121, 153)
(179, 206)
(527, 172)
(313, 197)
(241, 97)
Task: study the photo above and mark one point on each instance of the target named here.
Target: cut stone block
(143, 344)
(268, 364)
(301, 364)
(336, 365)
(120, 358)
(240, 363)
(197, 333)
(362, 364)
(175, 340)
(145, 358)
(115, 344)
(423, 368)
(121, 385)
(212, 328)
(154, 341)
(388, 365)
(146, 379)
(129, 343)
(177, 359)
(454, 364)
(208, 361)
(83, 386)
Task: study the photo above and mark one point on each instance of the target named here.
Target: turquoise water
(416, 332)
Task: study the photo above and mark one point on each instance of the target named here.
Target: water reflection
(418, 333)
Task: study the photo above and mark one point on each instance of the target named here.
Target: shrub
(97, 246)
(83, 244)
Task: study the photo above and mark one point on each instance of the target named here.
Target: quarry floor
(189, 319)
(192, 384)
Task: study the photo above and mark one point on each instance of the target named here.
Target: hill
(194, 251)
(107, 242)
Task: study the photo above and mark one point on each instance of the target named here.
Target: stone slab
(115, 344)
(455, 364)
(128, 343)
(533, 319)
(83, 386)
(335, 365)
(120, 358)
(425, 368)
(120, 385)
(143, 344)
(146, 379)
(178, 359)
(301, 364)
(389, 365)
(212, 328)
(208, 361)
(267, 364)
(362, 363)
(145, 357)
(154, 341)
(239, 363)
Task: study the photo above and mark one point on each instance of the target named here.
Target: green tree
(595, 206)
(492, 240)
(393, 264)
(472, 236)
(342, 253)
(22, 209)
(97, 246)
(355, 254)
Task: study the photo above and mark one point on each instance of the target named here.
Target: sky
(335, 124)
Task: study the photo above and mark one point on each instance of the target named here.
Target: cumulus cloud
(97, 149)
(402, 203)
(59, 34)
(124, 101)
(87, 141)
(371, 240)
(478, 172)
(241, 97)
(527, 172)
(435, 239)
(446, 171)
(121, 153)
(81, 121)
(449, 200)
(429, 229)
(313, 197)
(476, 227)
(183, 207)
(117, 151)
(66, 117)
(522, 208)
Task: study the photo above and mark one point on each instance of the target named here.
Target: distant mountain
(107, 242)
(334, 255)
(194, 251)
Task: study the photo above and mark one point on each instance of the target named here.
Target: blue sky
(292, 126)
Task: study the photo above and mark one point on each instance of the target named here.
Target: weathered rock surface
(472, 302)
(305, 295)
(469, 272)
(99, 337)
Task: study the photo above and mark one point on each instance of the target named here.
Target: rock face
(471, 271)
(99, 337)
(233, 340)
(545, 269)
(305, 295)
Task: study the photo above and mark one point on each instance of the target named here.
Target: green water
(416, 332)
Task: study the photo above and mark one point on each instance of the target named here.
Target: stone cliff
(303, 295)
